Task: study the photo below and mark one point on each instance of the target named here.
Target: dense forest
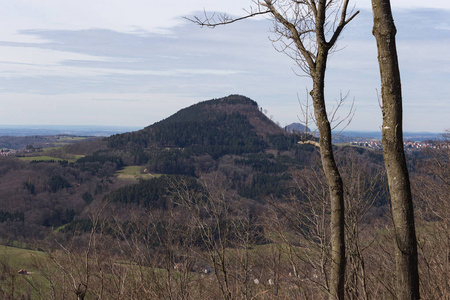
(210, 138)
(221, 194)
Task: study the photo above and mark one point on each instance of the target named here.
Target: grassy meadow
(134, 173)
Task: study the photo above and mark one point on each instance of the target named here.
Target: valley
(213, 198)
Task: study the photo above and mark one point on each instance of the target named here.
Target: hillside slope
(228, 140)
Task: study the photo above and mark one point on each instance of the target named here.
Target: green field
(20, 258)
(134, 173)
(15, 285)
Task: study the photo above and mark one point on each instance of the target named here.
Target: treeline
(171, 162)
(101, 164)
(15, 216)
(155, 193)
(37, 197)
(263, 185)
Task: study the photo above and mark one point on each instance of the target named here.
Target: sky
(135, 62)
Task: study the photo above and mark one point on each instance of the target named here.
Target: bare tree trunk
(407, 285)
(335, 184)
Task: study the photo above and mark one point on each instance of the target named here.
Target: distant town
(411, 145)
(28, 149)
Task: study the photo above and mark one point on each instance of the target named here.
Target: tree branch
(223, 19)
(310, 142)
(343, 22)
(296, 36)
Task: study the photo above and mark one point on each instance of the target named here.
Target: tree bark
(335, 184)
(407, 276)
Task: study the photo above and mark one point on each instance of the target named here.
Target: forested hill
(227, 141)
(233, 104)
(229, 125)
(208, 109)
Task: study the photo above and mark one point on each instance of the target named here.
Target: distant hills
(297, 127)
(191, 113)
(40, 141)
(78, 130)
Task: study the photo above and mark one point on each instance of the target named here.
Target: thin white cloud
(20, 70)
(131, 16)
(46, 57)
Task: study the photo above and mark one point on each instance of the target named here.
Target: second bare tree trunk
(407, 276)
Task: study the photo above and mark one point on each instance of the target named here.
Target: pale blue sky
(132, 63)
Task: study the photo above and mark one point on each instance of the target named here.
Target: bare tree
(431, 186)
(209, 214)
(394, 157)
(307, 31)
(361, 181)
